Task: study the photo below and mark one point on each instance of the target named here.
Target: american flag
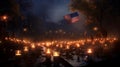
(72, 18)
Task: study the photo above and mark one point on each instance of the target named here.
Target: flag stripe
(72, 18)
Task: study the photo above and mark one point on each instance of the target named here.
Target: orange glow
(4, 18)
(56, 54)
(48, 51)
(25, 29)
(18, 53)
(88, 40)
(67, 47)
(61, 45)
(115, 38)
(78, 45)
(26, 49)
(105, 45)
(57, 45)
(93, 42)
(89, 51)
(48, 44)
(32, 46)
(6, 38)
(95, 28)
(64, 44)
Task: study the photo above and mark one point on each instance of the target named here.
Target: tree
(96, 11)
(10, 9)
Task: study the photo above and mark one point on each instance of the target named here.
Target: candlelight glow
(32, 46)
(48, 51)
(26, 49)
(89, 51)
(67, 47)
(95, 28)
(56, 54)
(25, 29)
(4, 18)
(78, 45)
(18, 53)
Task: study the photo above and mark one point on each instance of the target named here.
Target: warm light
(48, 51)
(56, 54)
(78, 45)
(107, 38)
(25, 29)
(101, 41)
(32, 46)
(26, 49)
(88, 40)
(89, 51)
(105, 45)
(95, 28)
(4, 18)
(67, 47)
(61, 45)
(38, 44)
(18, 53)
(93, 42)
(114, 38)
(57, 45)
(6, 38)
(48, 44)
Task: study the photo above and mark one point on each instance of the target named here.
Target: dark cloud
(50, 10)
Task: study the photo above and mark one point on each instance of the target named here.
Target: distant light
(18, 53)
(48, 51)
(105, 45)
(4, 18)
(95, 28)
(67, 47)
(32, 46)
(26, 49)
(56, 54)
(6, 38)
(89, 51)
(25, 29)
(48, 44)
(115, 38)
(78, 45)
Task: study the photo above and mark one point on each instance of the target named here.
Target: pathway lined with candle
(82, 48)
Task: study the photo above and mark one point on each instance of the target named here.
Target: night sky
(51, 13)
(45, 15)
(52, 10)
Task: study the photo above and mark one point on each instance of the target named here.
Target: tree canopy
(95, 9)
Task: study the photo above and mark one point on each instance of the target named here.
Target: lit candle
(26, 49)
(18, 53)
(32, 46)
(56, 54)
(89, 51)
(48, 51)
